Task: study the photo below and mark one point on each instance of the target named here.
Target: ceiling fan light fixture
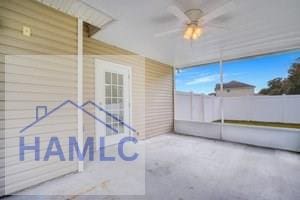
(198, 31)
(195, 36)
(192, 32)
(188, 32)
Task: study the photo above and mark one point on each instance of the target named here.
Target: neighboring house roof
(234, 84)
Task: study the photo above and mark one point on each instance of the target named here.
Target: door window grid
(114, 101)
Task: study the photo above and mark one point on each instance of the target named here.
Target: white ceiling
(80, 9)
(254, 27)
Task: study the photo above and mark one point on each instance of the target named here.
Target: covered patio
(187, 167)
(111, 66)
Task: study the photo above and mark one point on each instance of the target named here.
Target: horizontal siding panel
(19, 123)
(19, 78)
(44, 176)
(30, 114)
(44, 138)
(159, 98)
(49, 12)
(64, 63)
(62, 37)
(9, 70)
(9, 50)
(62, 131)
(13, 96)
(37, 15)
(38, 68)
(36, 80)
(26, 166)
(41, 89)
(45, 42)
(28, 43)
(14, 158)
(14, 150)
(10, 14)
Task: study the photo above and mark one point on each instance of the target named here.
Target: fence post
(191, 107)
(283, 108)
(221, 96)
(203, 108)
(250, 108)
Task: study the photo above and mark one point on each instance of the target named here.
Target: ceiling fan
(195, 20)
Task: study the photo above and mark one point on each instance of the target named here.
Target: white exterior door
(112, 93)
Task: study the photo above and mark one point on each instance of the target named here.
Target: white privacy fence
(203, 108)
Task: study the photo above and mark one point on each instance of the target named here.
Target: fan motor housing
(194, 14)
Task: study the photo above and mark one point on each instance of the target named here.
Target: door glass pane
(120, 103)
(121, 128)
(115, 120)
(121, 115)
(115, 126)
(114, 78)
(114, 100)
(108, 119)
(108, 101)
(114, 91)
(120, 79)
(120, 91)
(108, 91)
(107, 131)
(107, 77)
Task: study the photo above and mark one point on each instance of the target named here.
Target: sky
(256, 71)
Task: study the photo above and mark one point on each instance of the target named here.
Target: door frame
(122, 66)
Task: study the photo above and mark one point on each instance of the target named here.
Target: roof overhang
(94, 17)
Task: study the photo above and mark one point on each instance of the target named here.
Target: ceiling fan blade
(217, 12)
(169, 32)
(179, 14)
(215, 26)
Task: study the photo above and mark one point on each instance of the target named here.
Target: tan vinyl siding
(152, 87)
(95, 49)
(159, 98)
(28, 83)
(2, 124)
(32, 81)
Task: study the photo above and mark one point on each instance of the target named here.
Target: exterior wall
(159, 98)
(236, 92)
(55, 80)
(2, 116)
(95, 49)
(152, 87)
(34, 81)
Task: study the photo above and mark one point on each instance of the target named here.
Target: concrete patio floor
(183, 167)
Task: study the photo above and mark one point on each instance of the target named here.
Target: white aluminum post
(191, 106)
(80, 89)
(221, 94)
(174, 96)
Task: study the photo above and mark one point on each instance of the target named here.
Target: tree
(289, 85)
(294, 78)
(274, 87)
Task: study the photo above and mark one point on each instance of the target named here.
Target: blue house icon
(47, 114)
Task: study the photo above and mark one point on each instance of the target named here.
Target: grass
(257, 123)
